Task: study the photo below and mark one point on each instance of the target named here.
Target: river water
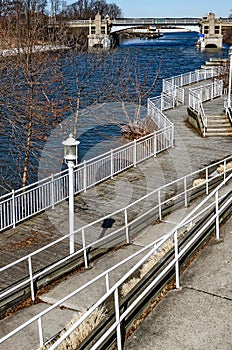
(170, 55)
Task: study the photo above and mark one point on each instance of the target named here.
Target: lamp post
(230, 76)
(70, 156)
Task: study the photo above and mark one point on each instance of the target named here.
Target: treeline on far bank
(18, 18)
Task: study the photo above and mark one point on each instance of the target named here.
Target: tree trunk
(29, 135)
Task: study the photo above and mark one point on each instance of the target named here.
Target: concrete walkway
(203, 303)
(190, 153)
(198, 316)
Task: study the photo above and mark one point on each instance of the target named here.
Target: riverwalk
(198, 316)
(190, 153)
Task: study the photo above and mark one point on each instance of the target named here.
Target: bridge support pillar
(98, 33)
(212, 31)
(214, 41)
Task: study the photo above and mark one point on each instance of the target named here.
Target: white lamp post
(230, 76)
(70, 156)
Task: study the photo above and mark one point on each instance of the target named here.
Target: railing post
(31, 278)
(207, 181)
(155, 144)
(172, 131)
(135, 153)
(84, 249)
(52, 191)
(224, 173)
(107, 282)
(127, 227)
(185, 192)
(13, 209)
(148, 107)
(40, 331)
(217, 217)
(111, 163)
(85, 176)
(117, 319)
(177, 267)
(159, 202)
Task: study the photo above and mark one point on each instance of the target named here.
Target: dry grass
(221, 168)
(147, 266)
(81, 332)
(198, 182)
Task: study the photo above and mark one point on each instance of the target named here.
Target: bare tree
(130, 85)
(31, 99)
(85, 9)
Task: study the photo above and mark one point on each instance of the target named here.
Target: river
(170, 55)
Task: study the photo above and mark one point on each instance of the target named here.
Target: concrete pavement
(198, 316)
(190, 153)
(204, 302)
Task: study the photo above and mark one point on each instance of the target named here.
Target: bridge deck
(190, 153)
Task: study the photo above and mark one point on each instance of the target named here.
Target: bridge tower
(212, 31)
(98, 32)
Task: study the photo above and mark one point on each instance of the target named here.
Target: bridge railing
(173, 238)
(202, 94)
(167, 21)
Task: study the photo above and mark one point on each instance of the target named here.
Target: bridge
(161, 24)
(101, 30)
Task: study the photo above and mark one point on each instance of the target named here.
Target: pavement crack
(212, 294)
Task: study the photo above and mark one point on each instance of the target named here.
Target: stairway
(218, 125)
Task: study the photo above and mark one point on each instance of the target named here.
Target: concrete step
(218, 122)
(218, 117)
(218, 133)
(219, 125)
(222, 128)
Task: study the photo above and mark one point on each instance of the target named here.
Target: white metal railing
(176, 92)
(28, 201)
(202, 94)
(186, 21)
(23, 203)
(89, 236)
(173, 235)
(155, 106)
(173, 86)
(164, 102)
(209, 203)
(228, 110)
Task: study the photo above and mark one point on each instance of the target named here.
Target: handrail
(16, 206)
(201, 94)
(203, 118)
(154, 246)
(229, 114)
(174, 262)
(125, 226)
(173, 86)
